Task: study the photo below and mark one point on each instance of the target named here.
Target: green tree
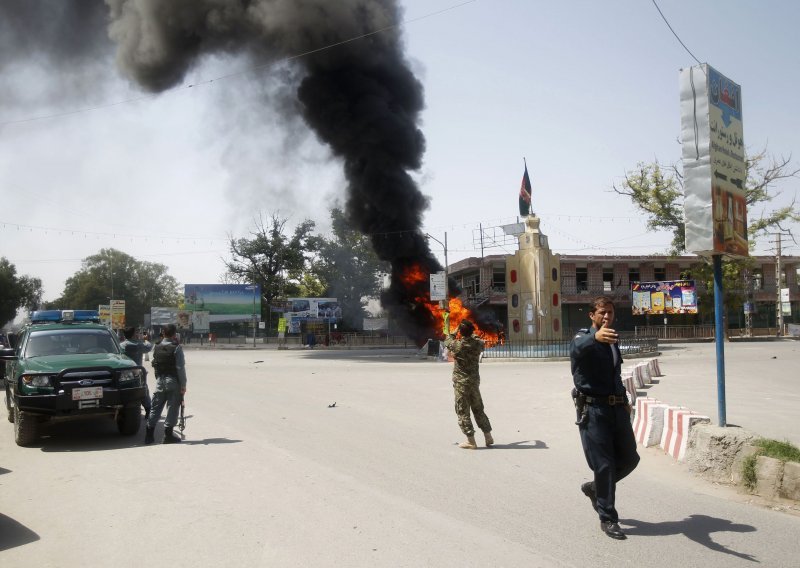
(349, 269)
(272, 258)
(112, 274)
(658, 192)
(16, 292)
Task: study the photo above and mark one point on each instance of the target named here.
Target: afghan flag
(525, 194)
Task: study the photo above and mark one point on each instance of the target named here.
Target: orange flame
(415, 275)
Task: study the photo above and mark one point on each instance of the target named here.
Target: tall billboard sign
(714, 163)
(223, 302)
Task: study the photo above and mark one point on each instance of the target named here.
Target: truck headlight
(37, 380)
(131, 376)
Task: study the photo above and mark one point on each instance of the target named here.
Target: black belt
(610, 400)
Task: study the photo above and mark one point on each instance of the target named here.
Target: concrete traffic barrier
(649, 421)
(630, 388)
(655, 369)
(677, 423)
(644, 370)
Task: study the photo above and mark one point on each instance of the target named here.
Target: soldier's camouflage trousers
(468, 397)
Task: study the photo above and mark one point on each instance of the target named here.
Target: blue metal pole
(719, 311)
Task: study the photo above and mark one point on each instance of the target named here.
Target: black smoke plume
(355, 90)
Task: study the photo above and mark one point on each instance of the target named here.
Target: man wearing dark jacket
(170, 371)
(606, 433)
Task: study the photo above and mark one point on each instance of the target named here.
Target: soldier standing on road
(466, 381)
(606, 433)
(170, 371)
(134, 349)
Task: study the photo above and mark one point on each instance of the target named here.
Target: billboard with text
(664, 297)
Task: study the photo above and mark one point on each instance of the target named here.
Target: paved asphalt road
(270, 475)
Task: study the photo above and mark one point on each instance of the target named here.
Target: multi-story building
(536, 294)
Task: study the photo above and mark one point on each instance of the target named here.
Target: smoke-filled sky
(160, 140)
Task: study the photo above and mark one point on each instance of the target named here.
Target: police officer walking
(466, 381)
(605, 423)
(170, 370)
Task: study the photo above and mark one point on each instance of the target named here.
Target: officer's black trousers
(610, 449)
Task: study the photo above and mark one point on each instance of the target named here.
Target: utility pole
(778, 272)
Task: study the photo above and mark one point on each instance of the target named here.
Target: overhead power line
(675, 34)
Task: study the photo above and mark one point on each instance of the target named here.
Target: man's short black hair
(170, 330)
(599, 302)
(466, 328)
(129, 332)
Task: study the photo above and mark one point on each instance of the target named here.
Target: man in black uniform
(170, 370)
(605, 427)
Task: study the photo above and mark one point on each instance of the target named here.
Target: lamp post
(253, 287)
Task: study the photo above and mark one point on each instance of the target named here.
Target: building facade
(536, 294)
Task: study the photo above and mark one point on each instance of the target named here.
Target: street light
(253, 287)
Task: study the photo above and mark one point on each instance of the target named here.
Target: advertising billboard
(117, 314)
(318, 308)
(714, 164)
(224, 302)
(664, 297)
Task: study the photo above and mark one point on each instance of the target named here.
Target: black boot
(169, 437)
(148, 435)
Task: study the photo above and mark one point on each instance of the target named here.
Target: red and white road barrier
(677, 423)
(655, 370)
(649, 421)
(644, 371)
(630, 388)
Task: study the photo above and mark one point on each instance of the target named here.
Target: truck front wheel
(26, 428)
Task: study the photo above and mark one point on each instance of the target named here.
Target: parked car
(65, 365)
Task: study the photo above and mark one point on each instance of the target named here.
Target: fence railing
(675, 331)
(560, 348)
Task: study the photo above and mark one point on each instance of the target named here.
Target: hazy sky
(583, 89)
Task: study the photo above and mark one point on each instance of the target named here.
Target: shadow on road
(523, 445)
(13, 534)
(207, 441)
(85, 436)
(695, 527)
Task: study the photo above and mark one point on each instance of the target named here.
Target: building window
(758, 279)
(499, 278)
(582, 280)
(633, 275)
(555, 300)
(513, 276)
(514, 300)
(555, 274)
(659, 273)
(515, 325)
(556, 324)
(608, 279)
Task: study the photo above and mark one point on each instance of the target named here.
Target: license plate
(87, 393)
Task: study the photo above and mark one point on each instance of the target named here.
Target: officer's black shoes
(148, 435)
(588, 490)
(612, 529)
(169, 437)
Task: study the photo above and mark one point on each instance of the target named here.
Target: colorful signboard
(224, 302)
(326, 309)
(104, 310)
(117, 314)
(664, 297)
(714, 164)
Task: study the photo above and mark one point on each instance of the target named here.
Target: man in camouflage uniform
(466, 352)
